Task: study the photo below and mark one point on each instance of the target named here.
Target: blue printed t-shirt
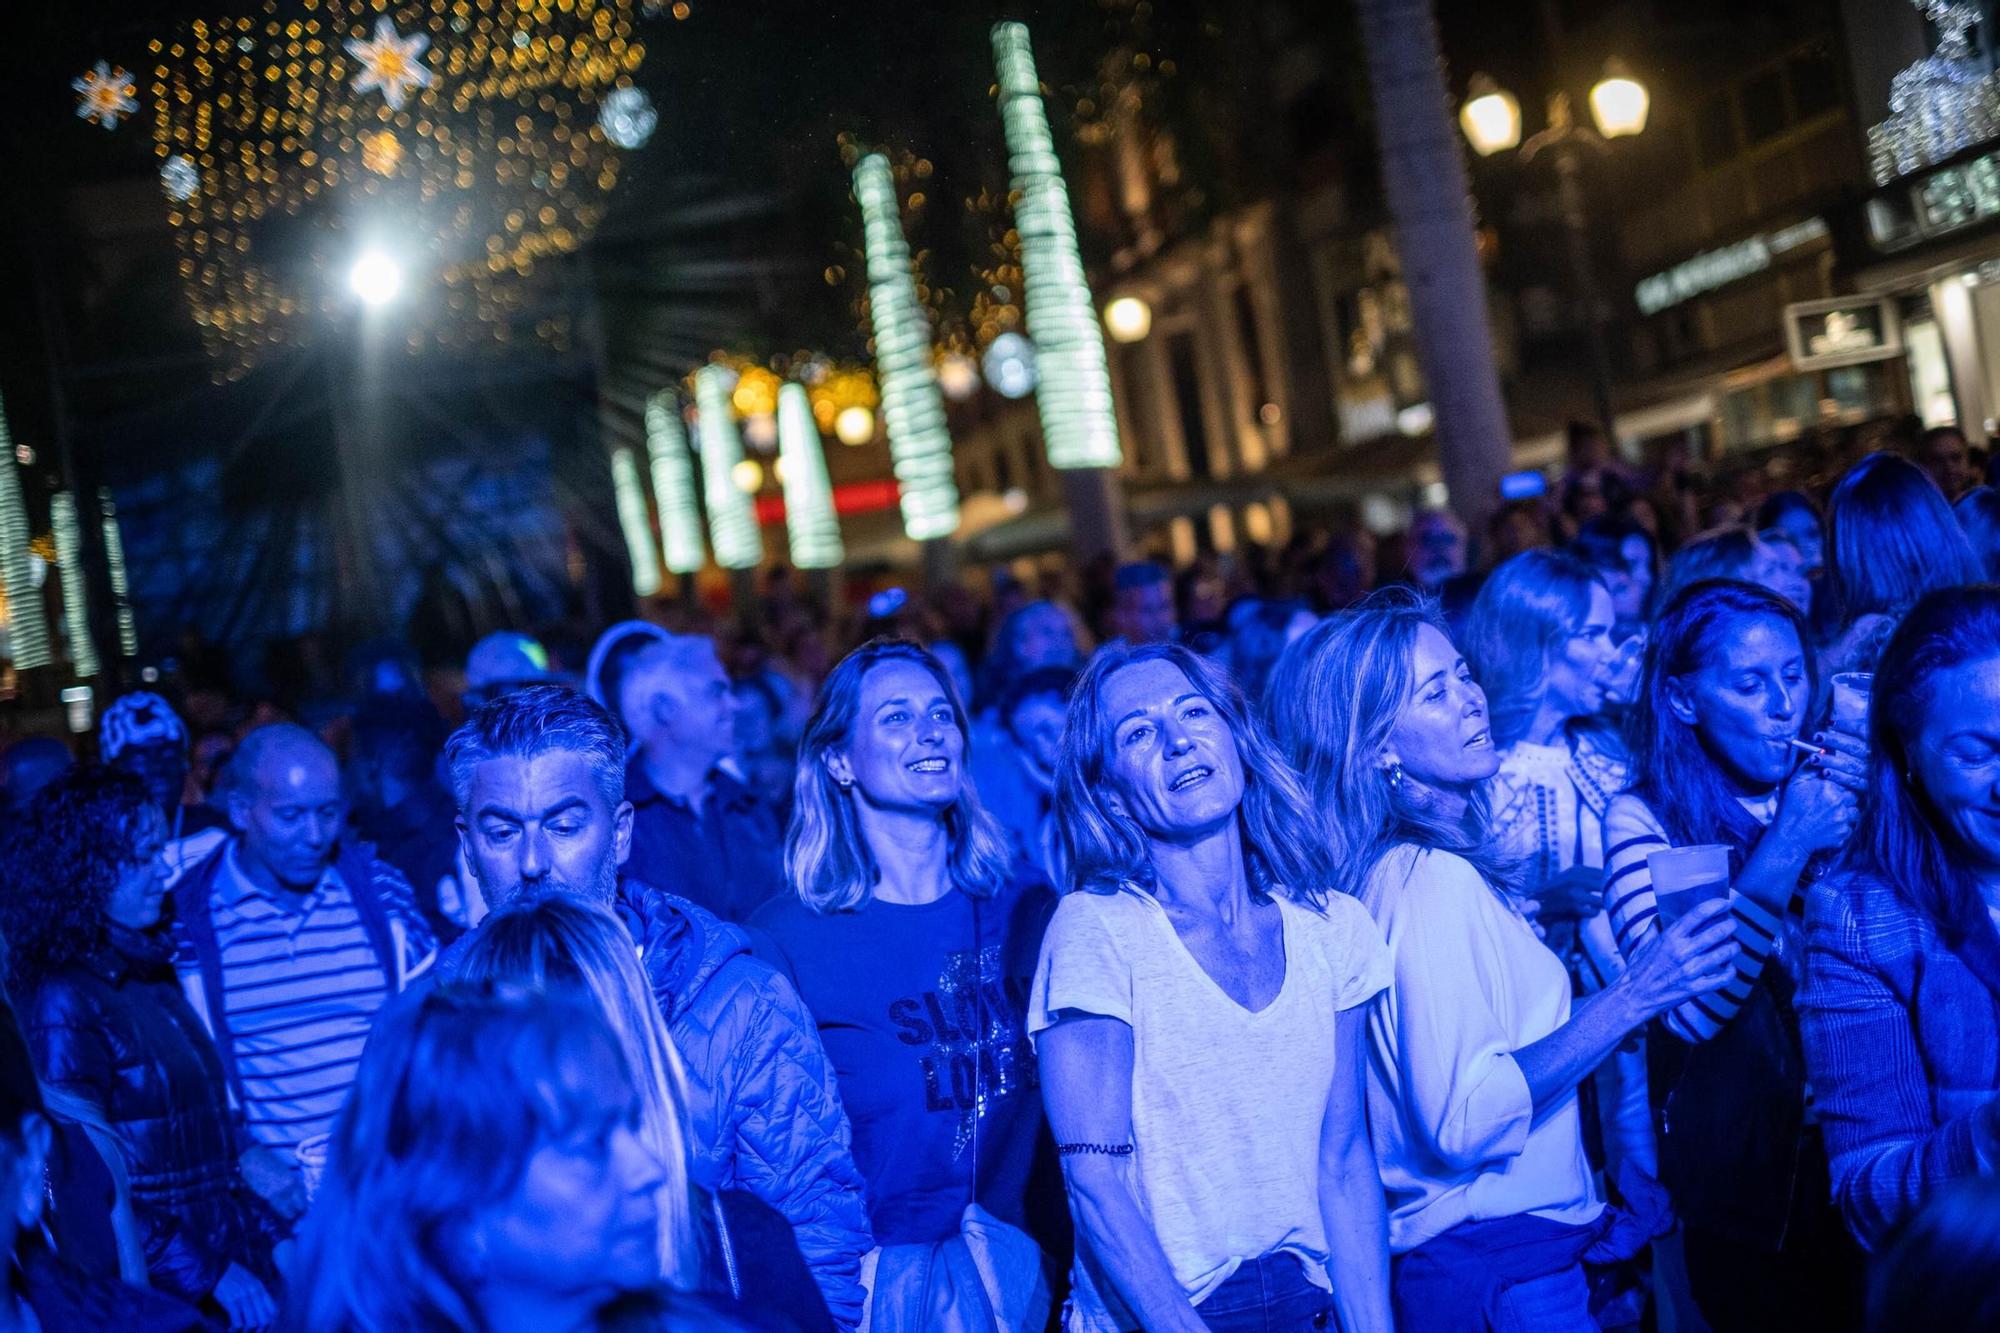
(922, 1011)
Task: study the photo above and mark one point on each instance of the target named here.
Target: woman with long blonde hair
(913, 940)
(561, 941)
(1475, 1050)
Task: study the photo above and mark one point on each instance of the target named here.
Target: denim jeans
(1271, 1294)
(1558, 1303)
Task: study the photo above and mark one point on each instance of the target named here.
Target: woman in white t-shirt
(1474, 1053)
(1198, 1018)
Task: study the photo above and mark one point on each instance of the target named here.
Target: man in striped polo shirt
(289, 943)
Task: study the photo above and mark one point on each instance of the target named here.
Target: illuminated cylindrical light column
(732, 521)
(69, 562)
(121, 589)
(673, 484)
(28, 628)
(912, 407)
(635, 522)
(809, 516)
(1078, 421)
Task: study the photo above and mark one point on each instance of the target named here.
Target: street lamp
(1619, 104)
(376, 278)
(1491, 118)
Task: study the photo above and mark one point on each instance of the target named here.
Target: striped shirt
(1631, 833)
(300, 987)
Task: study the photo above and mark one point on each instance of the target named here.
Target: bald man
(697, 830)
(290, 941)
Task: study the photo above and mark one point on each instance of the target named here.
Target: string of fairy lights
(76, 605)
(732, 523)
(809, 516)
(28, 628)
(1079, 426)
(469, 129)
(912, 405)
(633, 521)
(673, 484)
(487, 134)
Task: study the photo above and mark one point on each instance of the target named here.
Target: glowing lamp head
(1619, 103)
(1491, 118)
(854, 425)
(1128, 319)
(375, 279)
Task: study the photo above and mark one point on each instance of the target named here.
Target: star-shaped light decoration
(390, 62)
(105, 95)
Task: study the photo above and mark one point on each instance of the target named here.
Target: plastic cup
(1851, 692)
(312, 1154)
(1686, 876)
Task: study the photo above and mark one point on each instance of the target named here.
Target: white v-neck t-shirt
(1227, 1105)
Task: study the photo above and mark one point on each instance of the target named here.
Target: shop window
(1815, 82)
(1715, 131)
(1187, 398)
(1253, 346)
(1764, 107)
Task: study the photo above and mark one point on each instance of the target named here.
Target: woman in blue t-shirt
(913, 940)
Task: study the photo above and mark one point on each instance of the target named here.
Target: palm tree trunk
(1423, 175)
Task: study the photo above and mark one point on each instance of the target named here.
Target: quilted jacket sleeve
(787, 1132)
(66, 1035)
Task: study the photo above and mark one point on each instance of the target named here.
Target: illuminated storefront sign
(1935, 204)
(1718, 268)
(1845, 331)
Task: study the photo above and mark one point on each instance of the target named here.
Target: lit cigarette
(1809, 749)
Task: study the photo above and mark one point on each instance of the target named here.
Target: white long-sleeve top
(1449, 1110)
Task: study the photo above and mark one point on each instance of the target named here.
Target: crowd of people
(1605, 935)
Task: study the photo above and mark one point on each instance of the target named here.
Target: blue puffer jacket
(765, 1114)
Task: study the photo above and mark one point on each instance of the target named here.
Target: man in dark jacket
(539, 779)
(696, 828)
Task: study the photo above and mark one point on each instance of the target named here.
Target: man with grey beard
(538, 776)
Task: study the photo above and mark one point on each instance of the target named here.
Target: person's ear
(239, 809)
(1680, 700)
(621, 833)
(839, 767)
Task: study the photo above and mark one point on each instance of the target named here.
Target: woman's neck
(1451, 800)
(516, 1311)
(912, 852)
(1547, 726)
(1204, 875)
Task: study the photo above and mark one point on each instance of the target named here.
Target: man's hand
(274, 1180)
(244, 1299)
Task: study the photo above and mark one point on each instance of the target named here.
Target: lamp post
(1619, 103)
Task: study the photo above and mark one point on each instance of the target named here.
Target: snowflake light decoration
(180, 179)
(390, 62)
(105, 94)
(627, 117)
(1938, 105)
